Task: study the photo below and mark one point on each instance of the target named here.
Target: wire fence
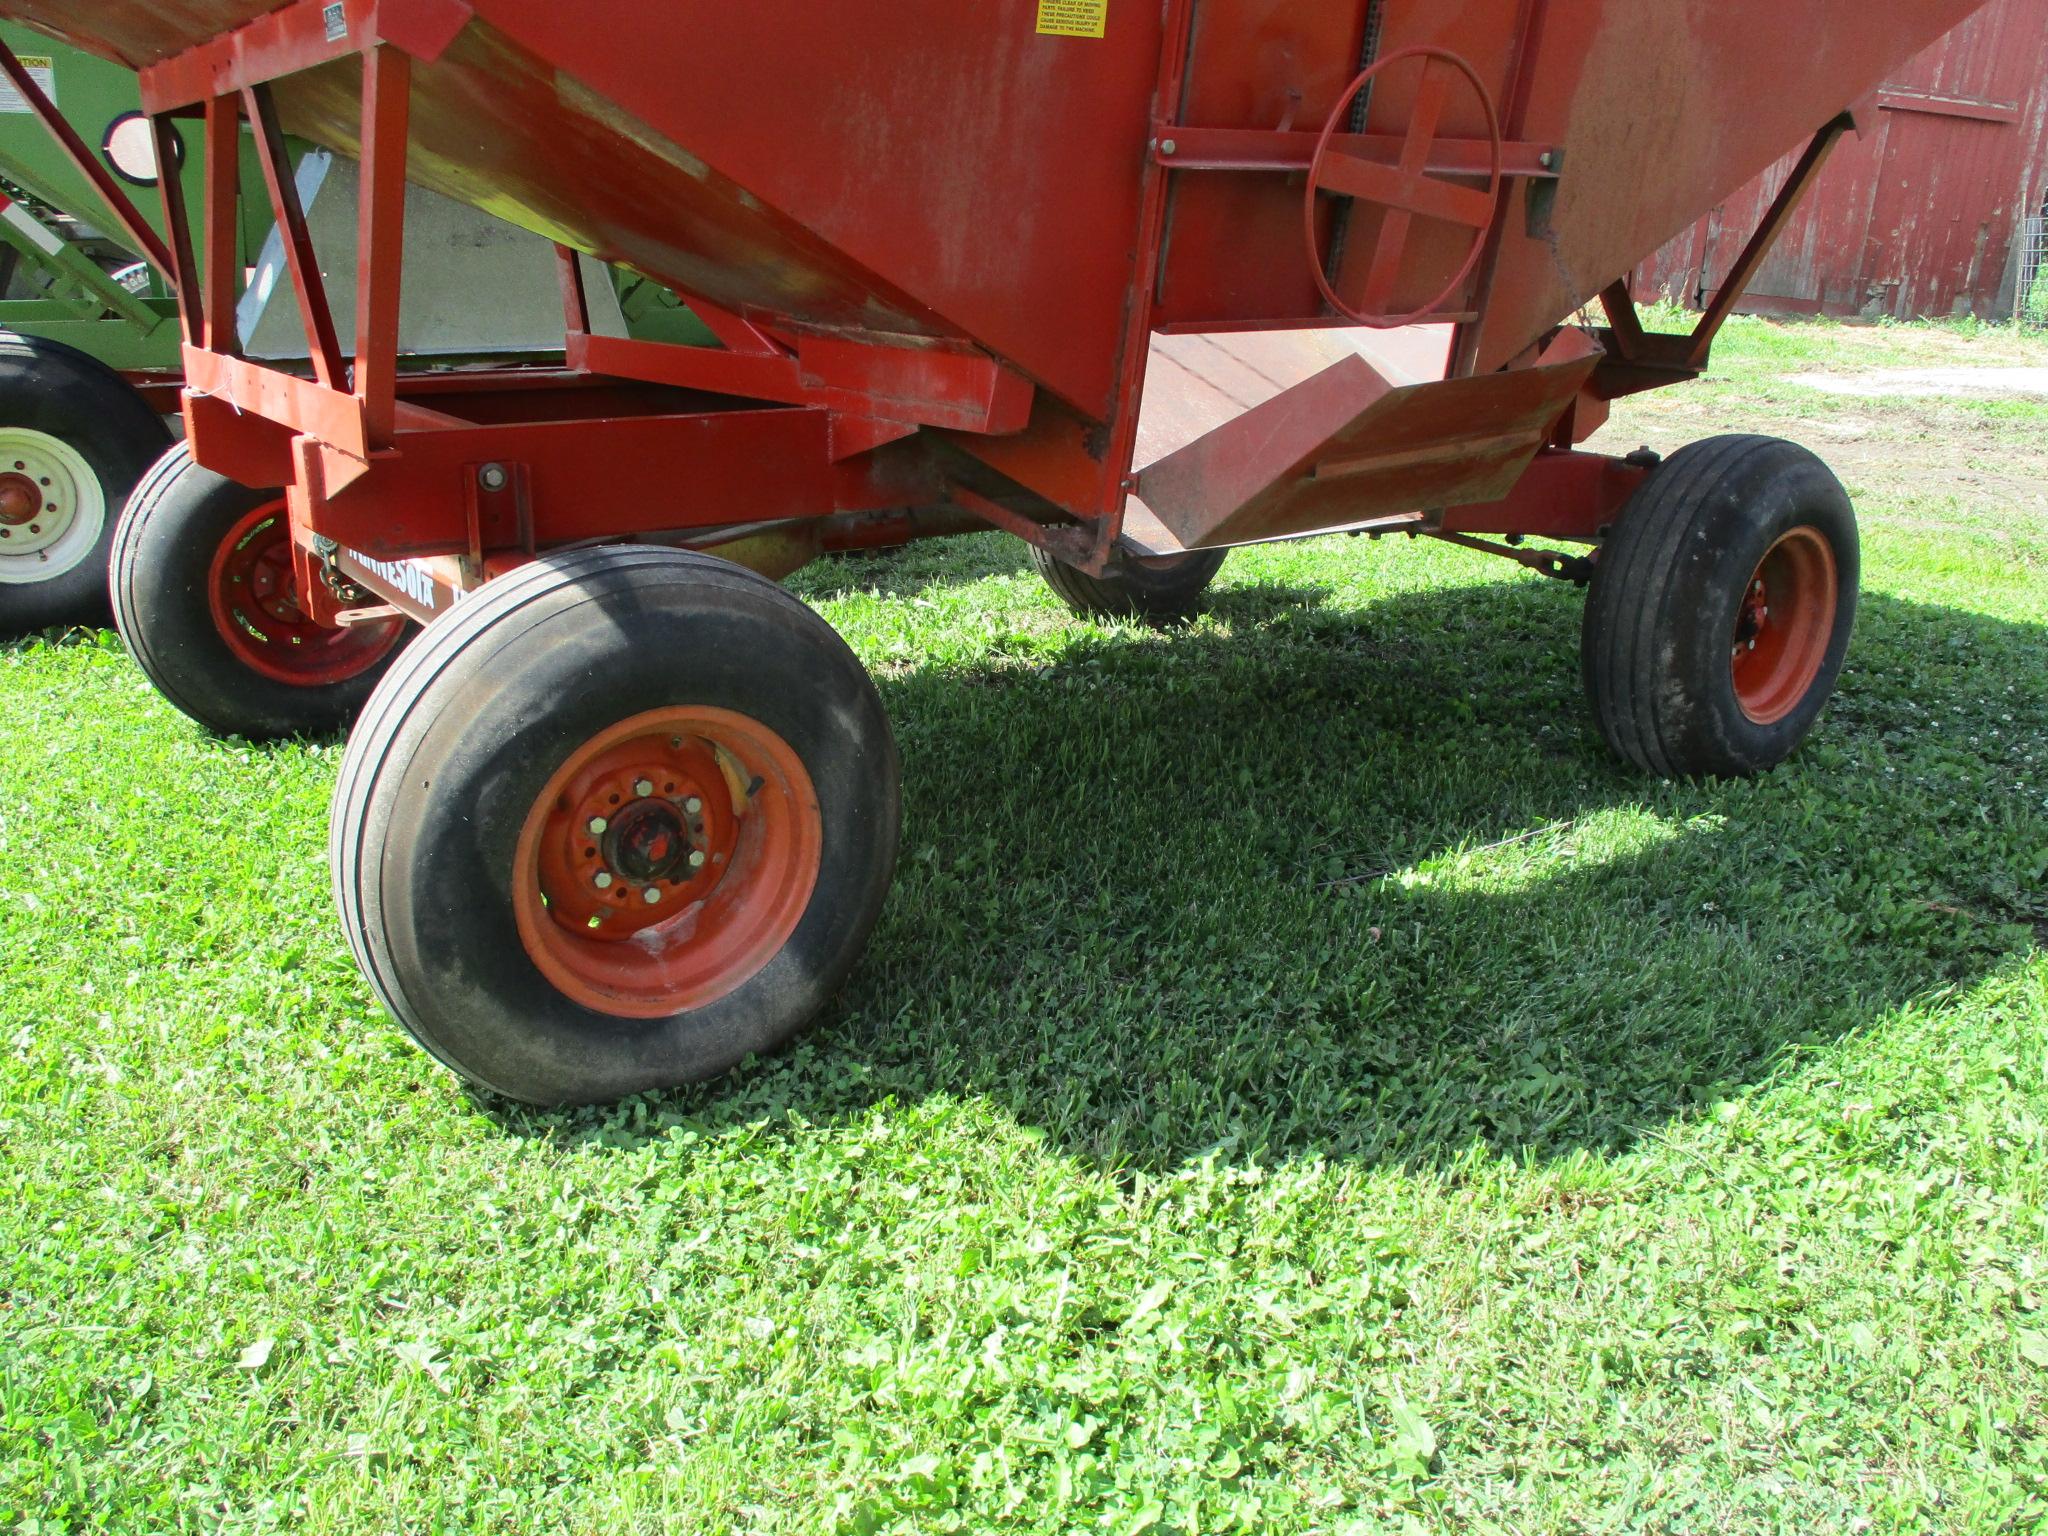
(2032, 305)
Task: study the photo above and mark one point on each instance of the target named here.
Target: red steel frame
(417, 488)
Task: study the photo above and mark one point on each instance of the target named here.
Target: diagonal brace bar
(315, 314)
(1626, 339)
(380, 237)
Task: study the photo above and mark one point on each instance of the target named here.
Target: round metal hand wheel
(1404, 189)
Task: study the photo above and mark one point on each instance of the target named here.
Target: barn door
(1921, 214)
(1948, 204)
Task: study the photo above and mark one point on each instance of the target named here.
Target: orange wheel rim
(667, 861)
(252, 590)
(1785, 625)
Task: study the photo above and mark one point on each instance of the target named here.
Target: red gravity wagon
(1094, 272)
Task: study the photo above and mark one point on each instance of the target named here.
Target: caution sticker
(1072, 18)
(42, 69)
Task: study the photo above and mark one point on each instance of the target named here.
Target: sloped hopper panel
(1348, 447)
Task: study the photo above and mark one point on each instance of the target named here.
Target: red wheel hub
(667, 861)
(1785, 625)
(253, 590)
(20, 499)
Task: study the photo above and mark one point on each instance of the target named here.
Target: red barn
(1935, 210)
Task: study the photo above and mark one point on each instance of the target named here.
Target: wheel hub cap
(1784, 625)
(20, 499)
(253, 592)
(645, 827)
(648, 843)
(52, 509)
(667, 861)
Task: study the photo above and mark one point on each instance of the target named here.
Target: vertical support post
(380, 242)
(1620, 305)
(299, 257)
(1154, 211)
(1514, 118)
(575, 302)
(178, 223)
(223, 141)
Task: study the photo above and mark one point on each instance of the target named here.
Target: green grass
(1751, 342)
(1300, 1084)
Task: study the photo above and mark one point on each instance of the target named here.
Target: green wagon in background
(90, 360)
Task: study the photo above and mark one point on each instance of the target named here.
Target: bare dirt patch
(1908, 460)
(1935, 383)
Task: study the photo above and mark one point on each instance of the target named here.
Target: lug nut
(603, 881)
(693, 805)
(597, 826)
(643, 788)
(696, 858)
(651, 895)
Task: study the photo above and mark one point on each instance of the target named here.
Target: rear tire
(1167, 591)
(1721, 609)
(614, 824)
(74, 438)
(206, 597)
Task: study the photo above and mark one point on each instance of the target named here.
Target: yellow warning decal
(1072, 18)
(42, 69)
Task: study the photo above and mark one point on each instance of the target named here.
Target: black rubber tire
(1155, 591)
(162, 557)
(57, 390)
(462, 737)
(1667, 592)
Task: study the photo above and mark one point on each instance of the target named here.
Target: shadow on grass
(1207, 891)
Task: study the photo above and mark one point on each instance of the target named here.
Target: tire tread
(1696, 495)
(385, 739)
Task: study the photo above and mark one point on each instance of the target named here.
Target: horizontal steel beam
(964, 391)
(1257, 149)
(332, 415)
(296, 38)
(1563, 494)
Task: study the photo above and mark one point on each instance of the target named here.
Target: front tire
(1721, 609)
(74, 438)
(1163, 591)
(623, 819)
(206, 596)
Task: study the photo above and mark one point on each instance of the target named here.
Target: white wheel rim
(52, 507)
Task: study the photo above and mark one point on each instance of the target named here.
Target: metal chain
(1361, 109)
